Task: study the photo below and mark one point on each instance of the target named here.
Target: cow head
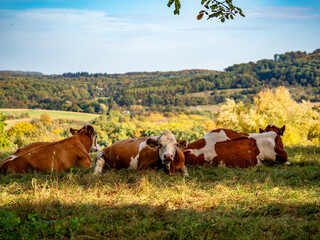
(272, 127)
(167, 145)
(281, 155)
(90, 132)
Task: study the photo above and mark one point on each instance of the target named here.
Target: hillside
(161, 91)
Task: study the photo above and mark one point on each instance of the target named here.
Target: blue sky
(57, 36)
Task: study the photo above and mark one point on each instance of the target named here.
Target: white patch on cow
(8, 159)
(266, 145)
(99, 163)
(222, 164)
(288, 163)
(95, 146)
(208, 150)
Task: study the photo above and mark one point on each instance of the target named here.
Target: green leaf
(170, 3)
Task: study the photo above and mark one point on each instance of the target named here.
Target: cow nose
(168, 156)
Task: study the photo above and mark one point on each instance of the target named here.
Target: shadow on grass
(52, 219)
(304, 172)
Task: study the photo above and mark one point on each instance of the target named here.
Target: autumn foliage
(270, 106)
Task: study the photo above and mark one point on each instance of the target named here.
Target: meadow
(280, 202)
(35, 114)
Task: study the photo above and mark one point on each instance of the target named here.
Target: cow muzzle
(95, 148)
(168, 158)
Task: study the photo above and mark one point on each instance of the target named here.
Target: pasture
(281, 202)
(35, 115)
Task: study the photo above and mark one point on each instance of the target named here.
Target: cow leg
(99, 164)
(184, 170)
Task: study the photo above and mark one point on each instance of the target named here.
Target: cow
(144, 153)
(54, 156)
(229, 148)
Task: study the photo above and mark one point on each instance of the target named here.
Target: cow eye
(160, 145)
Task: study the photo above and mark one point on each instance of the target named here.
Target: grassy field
(279, 202)
(35, 115)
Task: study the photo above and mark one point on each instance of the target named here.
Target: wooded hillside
(99, 92)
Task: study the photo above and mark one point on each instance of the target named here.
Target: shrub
(277, 107)
(45, 118)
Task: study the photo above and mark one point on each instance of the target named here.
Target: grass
(35, 114)
(279, 202)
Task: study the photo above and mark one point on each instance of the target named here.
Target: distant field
(212, 108)
(35, 114)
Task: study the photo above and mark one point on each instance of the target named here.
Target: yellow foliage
(277, 107)
(209, 125)
(22, 129)
(45, 118)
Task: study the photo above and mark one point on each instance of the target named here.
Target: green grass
(279, 202)
(86, 117)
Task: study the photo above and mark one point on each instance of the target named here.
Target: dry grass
(267, 203)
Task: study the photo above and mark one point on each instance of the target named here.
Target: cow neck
(85, 140)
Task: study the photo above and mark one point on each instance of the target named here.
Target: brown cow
(225, 147)
(144, 153)
(54, 156)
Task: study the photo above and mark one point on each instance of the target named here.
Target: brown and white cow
(229, 148)
(54, 156)
(144, 153)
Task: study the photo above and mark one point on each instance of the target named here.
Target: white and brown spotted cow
(229, 148)
(144, 153)
(54, 156)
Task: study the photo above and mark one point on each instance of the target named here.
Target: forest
(161, 91)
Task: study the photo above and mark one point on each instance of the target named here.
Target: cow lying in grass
(228, 148)
(144, 153)
(54, 156)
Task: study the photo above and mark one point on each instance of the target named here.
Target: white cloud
(283, 13)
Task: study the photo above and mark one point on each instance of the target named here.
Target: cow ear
(182, 144)
(152, 142)
(281, 130)
(260, 130)
(73, 131)
(89, 130)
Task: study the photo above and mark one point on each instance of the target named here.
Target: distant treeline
(158, 90)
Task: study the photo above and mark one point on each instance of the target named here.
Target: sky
(119, 36)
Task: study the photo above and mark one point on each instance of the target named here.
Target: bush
(3, 135)
(275, 107)
(46, 119)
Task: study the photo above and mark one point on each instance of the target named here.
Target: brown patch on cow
(193, 160)
(197, 144)
(119, 154)
(177, 163)
(231, 134)
(241, 152)
(148, 158)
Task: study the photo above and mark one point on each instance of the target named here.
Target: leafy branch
(213, 9)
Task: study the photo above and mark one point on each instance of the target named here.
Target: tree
(45, 118)
(213, 9)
